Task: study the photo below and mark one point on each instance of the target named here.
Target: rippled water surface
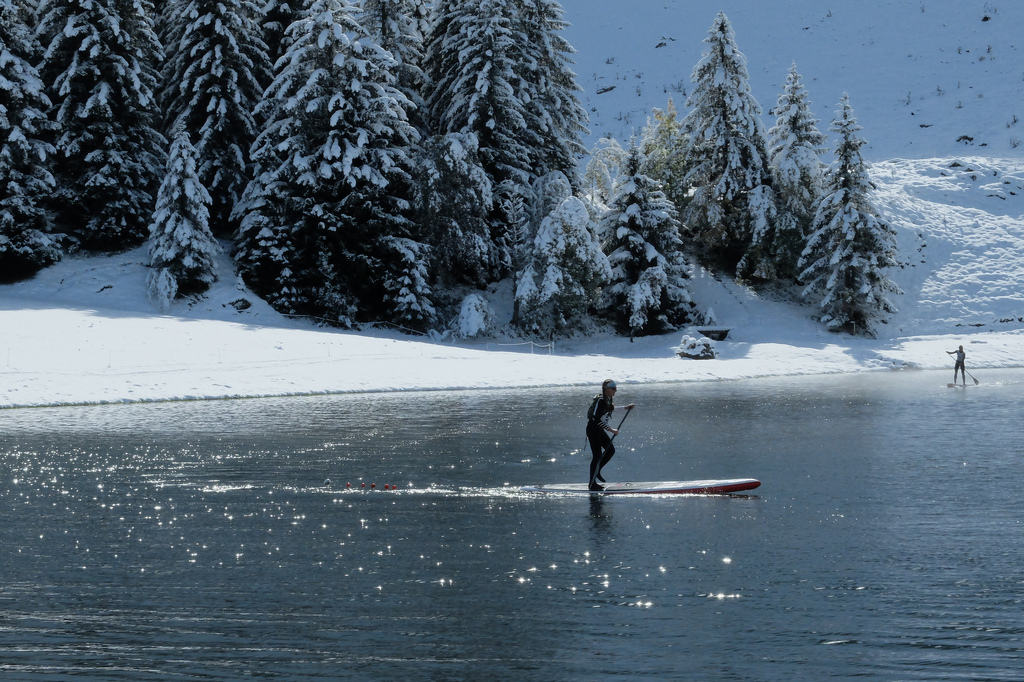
(221, 539)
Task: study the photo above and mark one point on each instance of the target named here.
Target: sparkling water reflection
(236, 538)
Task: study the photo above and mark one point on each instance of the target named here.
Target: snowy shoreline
(443, 389)
(62, 357)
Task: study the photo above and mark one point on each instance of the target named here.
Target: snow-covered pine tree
(475, 88)
(546, 193)
(795, 148)
(382, 247)
(663, 146)
(274, 254)
(27, 12)
(562, 282)
(516, 215)
(214, 78)
(423, 22)
(407, 283)
(646, 293)
(286, 217)
(396, 26)
(454, 197)
(323, 220)
(100, 65)
(436, 59)
(524, 210)
(24, 13)
(553, 108)
(606, 158)
(274, 18)
(850, 246)
(757, 262)
(169, 24)
(730, 213)
(181, 244)
(398, 288)
(25, 178)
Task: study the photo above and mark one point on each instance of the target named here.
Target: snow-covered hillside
(927, 78)
(960, 224)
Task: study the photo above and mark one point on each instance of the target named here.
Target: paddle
(972, 377)
(628, 408)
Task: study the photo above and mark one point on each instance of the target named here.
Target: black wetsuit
(601, 446)
(960, 355)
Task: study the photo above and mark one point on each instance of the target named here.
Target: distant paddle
(960, 365)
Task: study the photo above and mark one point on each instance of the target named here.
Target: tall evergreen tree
(732, 207)
(454, 197)
(646, 293)
(606, 159)
(553, 108)
(515, 212)
(25, 177)
(407, 284)
(168, 24)
(795, 148)
(475, 84)
(274, 18)
(664, 145)
(324, 221)
(526, 209)
(475, 88)
(423, 22)
(437, 60)
(378, 205)
(561, 283)
(850, 246)
(100, 64)
(23, 14)
(546, 193)
(396, 25)
(215, 76)
(182, 248)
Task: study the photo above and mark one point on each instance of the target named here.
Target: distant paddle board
(956, 385)
(710, 487)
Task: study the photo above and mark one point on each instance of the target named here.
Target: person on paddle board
(598, 428)
(960, 356)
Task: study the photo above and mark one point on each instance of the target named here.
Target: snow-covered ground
(921, 75)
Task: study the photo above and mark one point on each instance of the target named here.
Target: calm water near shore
(221, 540)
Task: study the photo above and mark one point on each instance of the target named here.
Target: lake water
(219, 539)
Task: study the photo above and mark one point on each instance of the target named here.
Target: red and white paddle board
(709, 487)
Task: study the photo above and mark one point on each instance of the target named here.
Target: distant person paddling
(959, 366)
(598, 428)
